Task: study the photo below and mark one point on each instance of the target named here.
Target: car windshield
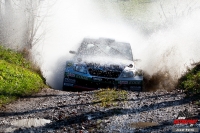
(114, 50)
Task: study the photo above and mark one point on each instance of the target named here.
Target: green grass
(190, 81)
(14, 57)
(17, 77)
(110, 97)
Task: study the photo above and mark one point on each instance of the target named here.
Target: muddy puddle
(143, 124)
(33, 122)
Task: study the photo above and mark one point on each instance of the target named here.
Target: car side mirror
(72, 52)
(130, 65)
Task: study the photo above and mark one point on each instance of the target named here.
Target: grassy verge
(110, 97)
(13, 57)
(17, 77)
(190, 82)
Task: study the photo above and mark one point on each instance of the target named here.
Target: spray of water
(69, 23)
(170, 51)
(164, 52)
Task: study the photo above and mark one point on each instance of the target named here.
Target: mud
(59, 111)
(159, 80)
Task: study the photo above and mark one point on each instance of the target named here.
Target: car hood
(103, 61)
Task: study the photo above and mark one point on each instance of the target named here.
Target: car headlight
(139, 73)
(127, 74)
(69, 64)
(80, 68)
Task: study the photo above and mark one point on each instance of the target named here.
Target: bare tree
(177, 8)
(33, 22)
(8, 7)
(0, 21)
(20, 22)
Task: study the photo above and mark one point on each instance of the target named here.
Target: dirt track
(77, 112)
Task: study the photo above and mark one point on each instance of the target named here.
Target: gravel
(78, 112)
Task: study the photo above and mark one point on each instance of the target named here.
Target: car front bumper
(92, 82)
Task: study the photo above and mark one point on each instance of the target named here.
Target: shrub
(190, 81)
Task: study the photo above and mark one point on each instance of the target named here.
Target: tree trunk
(8, 7)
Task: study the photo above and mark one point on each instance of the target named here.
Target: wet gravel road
(58, 111)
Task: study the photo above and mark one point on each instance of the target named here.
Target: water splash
(69, 23)
(171, 44)
(30, 122)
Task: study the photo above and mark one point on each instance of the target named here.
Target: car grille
(109, 74)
